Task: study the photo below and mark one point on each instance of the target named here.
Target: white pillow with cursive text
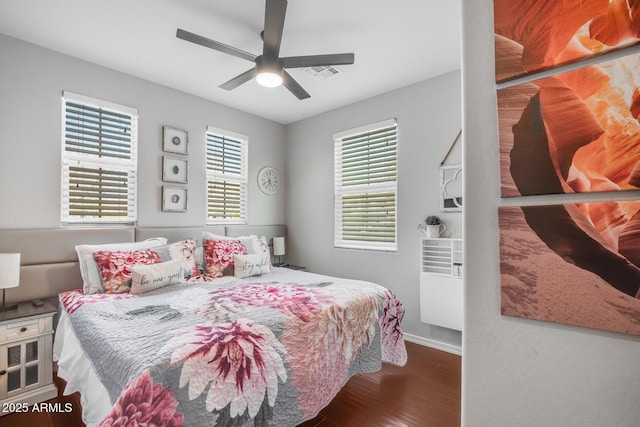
(251, 265)
(145, 278)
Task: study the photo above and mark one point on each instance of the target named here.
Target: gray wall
(429, 118)
(519, 372)
(32, 80)
(31, 83)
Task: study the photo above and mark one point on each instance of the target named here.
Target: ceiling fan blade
(318, 60)
(293, 86)
(274, 14)
(239, 79)
(212, 44)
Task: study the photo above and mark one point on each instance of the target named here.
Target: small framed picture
(175, 140)
(174, 199)
(174, 170)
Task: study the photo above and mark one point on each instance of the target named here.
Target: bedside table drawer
(18, 330)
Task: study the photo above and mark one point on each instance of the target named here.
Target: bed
(270, 349)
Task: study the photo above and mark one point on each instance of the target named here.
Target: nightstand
(26, 365)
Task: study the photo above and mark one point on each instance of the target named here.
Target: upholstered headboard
(48, 259)
(175, 234)
(269, 231)
(49, 264)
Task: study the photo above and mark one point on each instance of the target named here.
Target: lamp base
(8, 307)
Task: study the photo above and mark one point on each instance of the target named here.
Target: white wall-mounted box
(441, 284)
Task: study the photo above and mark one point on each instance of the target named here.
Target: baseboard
(438, 345)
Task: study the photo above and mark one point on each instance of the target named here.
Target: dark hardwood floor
(424, 393)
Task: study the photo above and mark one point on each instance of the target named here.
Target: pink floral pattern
(290, 299)
(240, 360)
(393, 348)
(353, 327)
(236, 353)
(185, 250)
(318, 370)
(219, 255)
(73, 300)
(144, 404)
(114, 267)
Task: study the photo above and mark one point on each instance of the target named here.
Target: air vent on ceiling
(323, 72)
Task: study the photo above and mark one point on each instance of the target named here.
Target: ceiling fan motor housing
(271, 65)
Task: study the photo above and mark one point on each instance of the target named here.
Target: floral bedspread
(248, 353)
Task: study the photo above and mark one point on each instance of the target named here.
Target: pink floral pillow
(184, 250)
(218, 255)
(114, 267)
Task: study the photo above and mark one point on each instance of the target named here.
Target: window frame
(92, 161)
(376, 188)
(242, 179)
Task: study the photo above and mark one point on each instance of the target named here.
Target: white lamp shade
(9, 270)
(278, 246)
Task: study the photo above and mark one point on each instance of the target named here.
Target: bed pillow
(219, 261)
(213, 236)
(262, 247)
(184, 250)
(91, 280)
(251, 265)
(115, 267)
(218, 255)
(145, 278)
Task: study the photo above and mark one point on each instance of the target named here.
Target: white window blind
(99, 161)
(366, 187)
(226, 177)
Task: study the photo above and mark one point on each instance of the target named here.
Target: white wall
(31, 83)
(429, 117)
(520, 372)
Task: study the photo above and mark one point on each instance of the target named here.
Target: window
(226, 177)
(99, 161)
(366, 187)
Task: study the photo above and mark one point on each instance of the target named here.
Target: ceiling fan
(269, 68)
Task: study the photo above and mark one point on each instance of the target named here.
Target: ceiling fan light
(269, 79)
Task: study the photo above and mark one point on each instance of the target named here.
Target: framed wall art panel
(175, 140)
(576, 264)
(174, 199)
(174, 170)
(536, 35)
(574, 132)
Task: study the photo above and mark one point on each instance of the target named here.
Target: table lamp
(278, 249)
(9, 276)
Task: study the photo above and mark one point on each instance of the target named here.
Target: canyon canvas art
(576, 264)
(535, 35)
(574, 132)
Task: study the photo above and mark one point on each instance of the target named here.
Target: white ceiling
(396, 43)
